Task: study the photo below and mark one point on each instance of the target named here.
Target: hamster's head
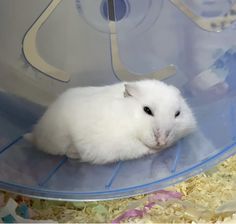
(161, 115)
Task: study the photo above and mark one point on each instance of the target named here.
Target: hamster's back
(75, 110)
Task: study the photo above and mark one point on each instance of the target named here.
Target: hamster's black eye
(177, 113)
(148, 111)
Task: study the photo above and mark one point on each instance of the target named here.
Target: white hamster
(118, 122)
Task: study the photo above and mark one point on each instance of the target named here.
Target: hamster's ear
(131, 89)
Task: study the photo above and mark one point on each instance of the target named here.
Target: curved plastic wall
(49, 46)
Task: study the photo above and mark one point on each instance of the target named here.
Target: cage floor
(25, 170)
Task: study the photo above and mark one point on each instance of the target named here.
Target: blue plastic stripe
(190, 172)
(177, 156)
(114, 175)
(232, 120)
(4, 148)
(52, 172)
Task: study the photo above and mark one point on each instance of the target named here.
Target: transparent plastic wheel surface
(205, 73)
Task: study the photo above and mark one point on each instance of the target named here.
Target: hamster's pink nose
(162, 139)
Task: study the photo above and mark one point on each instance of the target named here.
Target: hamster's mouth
(155, 147)
(154, 144)
(159, 147)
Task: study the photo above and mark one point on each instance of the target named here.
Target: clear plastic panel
(68, 41)
(172, 41)
(210, 8)
(76, 39)
(130, 15)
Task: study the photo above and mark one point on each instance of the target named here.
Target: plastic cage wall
(48, 46)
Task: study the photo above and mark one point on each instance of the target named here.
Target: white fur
(102, 124)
